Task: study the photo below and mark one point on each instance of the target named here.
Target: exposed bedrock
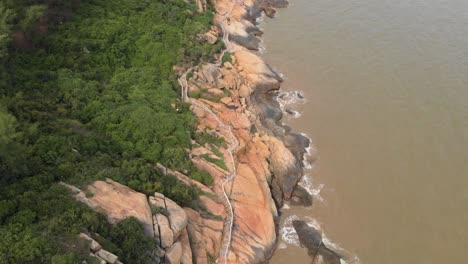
(301, 197)
(250, 42)
(184, 235)
(311, 238)
(269, 115)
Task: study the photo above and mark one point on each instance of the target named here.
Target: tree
(31, 16)
(129, 235)
(5, 16)
(12, 153)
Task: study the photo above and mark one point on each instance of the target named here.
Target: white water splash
(310, 155)
(289, 236)
(285, 207)
(307, 183)
(292, 113)
(288, 98)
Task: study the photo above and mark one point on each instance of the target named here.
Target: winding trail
(228, 224)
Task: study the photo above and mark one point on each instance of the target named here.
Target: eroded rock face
(283, 165)
(176, 215)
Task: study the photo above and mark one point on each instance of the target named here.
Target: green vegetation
(88, 92)
(227, 57)
(133, 245)
(158, 210)
(218, 162)
(203, 138)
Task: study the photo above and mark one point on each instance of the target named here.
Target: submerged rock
(301, 197)
(311, 238)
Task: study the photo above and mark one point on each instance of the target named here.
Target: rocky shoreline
(257, 91)
(270, 154)
(235, 100)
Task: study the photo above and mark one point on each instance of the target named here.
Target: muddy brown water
(386, 84)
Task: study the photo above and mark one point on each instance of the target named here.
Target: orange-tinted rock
(118, 202)
(186, 249)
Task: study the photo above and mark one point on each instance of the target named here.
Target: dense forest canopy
(87, 92)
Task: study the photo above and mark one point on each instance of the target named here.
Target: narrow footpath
(228, 224)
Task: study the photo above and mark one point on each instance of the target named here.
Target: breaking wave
(290, 237)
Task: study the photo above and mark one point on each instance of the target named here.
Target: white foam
(293, 113)
(280, 74)
(289, 236)
(288, 233)
(307, 183)
(307, 165)
(285, 207)
(288, 98)
(308, 153)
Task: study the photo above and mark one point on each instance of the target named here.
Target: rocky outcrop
(117, 202)
(96, 251)
(94, 246)
(195, 230)
(187, 236)
(174, 254)
(187, 257)
(301, 197)
(311, 238)
(268, 160)
(107, 256)
(201, 5)
(176, 215)
(166, 236)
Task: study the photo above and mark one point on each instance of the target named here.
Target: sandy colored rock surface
(186, 249)
(166, 235)
(174, 254)
(117, 202)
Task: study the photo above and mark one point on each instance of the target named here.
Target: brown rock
(166, 235)
(107, 256)
(195, 232)
(174, 253)
(254, 235)
(211, 37)
(226, 100)
(283, 165)
(94, 246)
(213, 224)
(117, 202)
(218, 93)
(244, 91)
(186, 249)
(177, 217)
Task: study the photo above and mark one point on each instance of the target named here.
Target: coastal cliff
(269, 157)
(235, 100)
